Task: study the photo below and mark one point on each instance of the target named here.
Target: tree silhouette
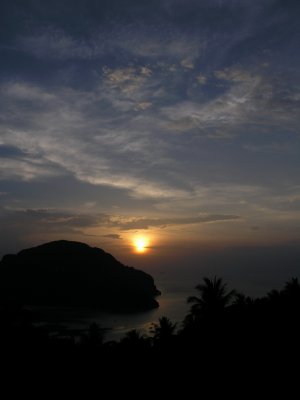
(213, 298)
(133, 336)
(135, 343)
(164, 330)
(95, 335)
(291, 304)
(241, 300)
(274, 296)
(292, 290)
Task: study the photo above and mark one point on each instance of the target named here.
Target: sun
(140, 244)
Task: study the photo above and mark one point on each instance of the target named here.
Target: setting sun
(140, 244)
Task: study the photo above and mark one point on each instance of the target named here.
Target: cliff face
(74, 274)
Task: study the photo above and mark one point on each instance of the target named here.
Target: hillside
(65, 273)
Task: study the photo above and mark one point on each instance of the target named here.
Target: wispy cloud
(114, 38)
(145, 223)
(27, 168)
(62, 130)
(64, 222)
(173, 116)
(112, 236)
(173, 45)
(176, 108)
(235, 74)
(51, 220)
(248, 98)
(118, 133)
(129, 79)
(49, 42)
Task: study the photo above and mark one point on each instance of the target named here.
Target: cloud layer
(179, 109)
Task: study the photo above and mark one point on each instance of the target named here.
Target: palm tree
(291, 300)
(292, 290)
(133, 336)
(213, 298)
(241, 301)
(95, 335)
(164, 330)
(134, 341)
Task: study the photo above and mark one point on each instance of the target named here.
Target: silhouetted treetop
(164, 329)
(213, 297)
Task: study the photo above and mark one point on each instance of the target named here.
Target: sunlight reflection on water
(172, 305)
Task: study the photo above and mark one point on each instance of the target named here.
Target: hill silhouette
(66, 273)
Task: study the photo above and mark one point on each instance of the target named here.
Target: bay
(172, 304)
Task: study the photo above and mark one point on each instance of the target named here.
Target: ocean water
(252, 271)
(172, 304)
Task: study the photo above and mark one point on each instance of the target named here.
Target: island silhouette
(68, 273)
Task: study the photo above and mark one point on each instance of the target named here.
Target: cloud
(27, 92)
(131, 82)
(112, 236)
(27, 227)
(232, 108)
(117, 39)
(56, 221)
(43, 221)
(118, 133)
(234, 74)
(27, 169)
(245, 101)
(201, 79)
(116, 99)
(173, 45)
(51, 220)
(143, 105)
(55, 43)
(188, 64)
(171, 107)
(145, 223)
(63, 131)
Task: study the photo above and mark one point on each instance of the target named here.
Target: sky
(176, 121)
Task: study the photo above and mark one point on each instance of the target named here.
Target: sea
(66, 320)
(253, 271)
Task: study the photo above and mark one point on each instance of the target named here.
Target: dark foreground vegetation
(225, 332)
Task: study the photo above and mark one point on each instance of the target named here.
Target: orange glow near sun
(140, 243)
